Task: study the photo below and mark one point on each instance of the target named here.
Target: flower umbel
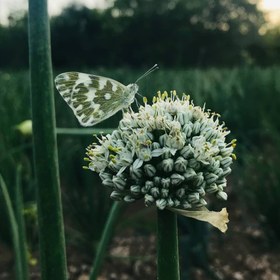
(171, 153)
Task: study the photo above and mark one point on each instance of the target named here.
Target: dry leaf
(216, 219)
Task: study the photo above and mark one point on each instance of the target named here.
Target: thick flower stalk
(170, 154)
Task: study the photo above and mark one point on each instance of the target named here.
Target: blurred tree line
(174, 33)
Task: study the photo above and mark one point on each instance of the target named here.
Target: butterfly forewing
(92, 98)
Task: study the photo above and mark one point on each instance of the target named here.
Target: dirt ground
(243, 253)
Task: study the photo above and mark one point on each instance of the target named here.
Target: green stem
(21, 226)
(105, 239)
(51, 230)
(167, 254)
(14, 231)
(82, 131)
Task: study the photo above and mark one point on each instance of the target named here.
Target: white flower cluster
(170, 153)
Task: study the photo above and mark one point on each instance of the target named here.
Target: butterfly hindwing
(92, 98)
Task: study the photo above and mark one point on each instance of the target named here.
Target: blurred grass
(16, 226)
(247, 98)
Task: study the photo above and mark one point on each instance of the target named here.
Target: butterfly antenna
(155, 67)
(137, 93)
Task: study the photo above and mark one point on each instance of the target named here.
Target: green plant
(248, 99)
(50, 220)
(17, 226)
(167, 244)
(262, 183)
(15, 148)
(169, 154)
(106, 237)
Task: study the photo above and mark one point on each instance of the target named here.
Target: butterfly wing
(92, 98)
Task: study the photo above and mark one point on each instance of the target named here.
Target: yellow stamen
(234, 156)
(114, 149)
(154, 99)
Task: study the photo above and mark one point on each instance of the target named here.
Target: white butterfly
(95, 98)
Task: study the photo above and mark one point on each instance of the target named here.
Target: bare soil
(243, 253)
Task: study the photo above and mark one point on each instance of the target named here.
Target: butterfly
(95, 98)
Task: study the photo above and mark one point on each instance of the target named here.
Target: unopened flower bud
(221, 186)
(203, 126)
(196, 127)
(167, 165)
(214, 165)
(146, 188)
(187, 151)
(161, 203)
(176, 202)
(209, 133)
(221, 181)
(226, 152)
(105, 175)
(148, 199)
(164, 193)
(165, 182)
(162, 140)
(198, 179)
(226, 171)
(193, 163)
(189, 174)
(187, 116)
(212, 188)
(193, 197)
(166, 155)
(201, 191)
(202, 202)
(116, 134)
(222, 195)
(119, 183)
(150, 170)
(157, 181)
(115, 195)
(219, 172)
(186, 205)
(180, 164)
(180, 118)
(135, 189)
(108, 183)
(210, 178)
(136, 173)
(226, 162)
(123, 124)
(128, 198)
(180, 192)
(149, 184)
(177, 179)
(188, 128)
(154, 192)
(170, 202)
(155, 146)
(25, 128)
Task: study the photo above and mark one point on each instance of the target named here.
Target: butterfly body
(94, 98)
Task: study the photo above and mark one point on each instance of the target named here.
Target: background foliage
(135, 33)
(218, 53)
(247, 98)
